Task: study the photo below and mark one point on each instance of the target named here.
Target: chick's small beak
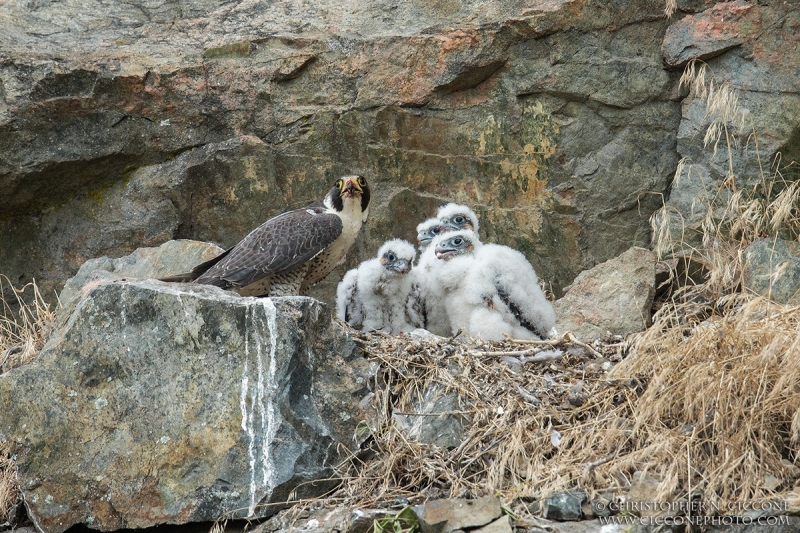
(443, 252)
(403, 266)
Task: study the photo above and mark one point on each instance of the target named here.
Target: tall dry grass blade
(670, 7)
(9, 492)
(26, 322)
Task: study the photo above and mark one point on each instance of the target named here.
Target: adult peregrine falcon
(490, 289)
(287, 254)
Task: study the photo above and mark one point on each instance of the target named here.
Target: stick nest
(707, 408)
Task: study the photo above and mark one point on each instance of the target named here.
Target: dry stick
(594, 464)
(547, 342)
(539, 357)
(442, 413)
(565, 338)
(583, 345)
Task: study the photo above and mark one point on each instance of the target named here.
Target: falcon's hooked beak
(350, 187)
(450, 248)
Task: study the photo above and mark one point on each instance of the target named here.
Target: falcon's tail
(197, 271)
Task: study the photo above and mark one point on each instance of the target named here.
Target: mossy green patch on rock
(232, 50)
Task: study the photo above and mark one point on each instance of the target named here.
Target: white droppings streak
(247, 424)
(261, 395)
(271, 426)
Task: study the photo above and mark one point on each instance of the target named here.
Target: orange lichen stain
(457, 40)
(489, 138)
(416, 181)
(531, 219)
(546, 148)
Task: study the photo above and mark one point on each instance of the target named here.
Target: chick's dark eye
(458, 242)
(391, 257)
(459, 220)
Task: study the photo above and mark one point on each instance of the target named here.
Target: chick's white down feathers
(490, 290)
(459, 283)
(373, 296)
(458, 216)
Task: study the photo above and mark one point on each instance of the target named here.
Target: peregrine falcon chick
(289, 253)
(428, 292)
(373, 296)
(490, 289)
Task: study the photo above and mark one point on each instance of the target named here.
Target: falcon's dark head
(349, 191)
(427, 230)
(456, 244)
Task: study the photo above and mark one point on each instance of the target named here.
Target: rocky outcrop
(752, 47)
(156, 403)
(614, 297)
(172, 257)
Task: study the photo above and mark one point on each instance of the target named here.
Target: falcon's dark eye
(362, 181)
(339, 183)
(391, 257)
(458, 219)
(436, 230)
(458, 241)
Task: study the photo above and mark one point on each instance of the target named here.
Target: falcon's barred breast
(289, 253)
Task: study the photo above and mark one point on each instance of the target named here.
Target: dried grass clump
(733, 216)
(723, 398)
(26, 322)
(670, 7)
(9, 493)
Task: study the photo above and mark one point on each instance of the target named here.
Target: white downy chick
(497, 294)
(429, 293)
(374, 297)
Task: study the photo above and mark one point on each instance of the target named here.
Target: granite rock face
(613, 297)
(123, 126)
(159, 404)
(172, 257)
(560, 121)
